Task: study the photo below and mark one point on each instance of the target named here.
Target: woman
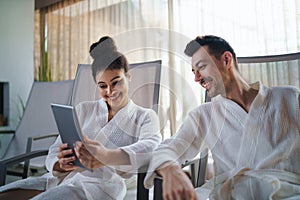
(119, 136)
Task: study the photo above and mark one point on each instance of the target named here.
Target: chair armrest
(17, 159)
(45, 136)
(7, 132)
(190, 162)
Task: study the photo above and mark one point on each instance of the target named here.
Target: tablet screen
(68, 126)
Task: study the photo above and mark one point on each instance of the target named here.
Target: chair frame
(29, 154)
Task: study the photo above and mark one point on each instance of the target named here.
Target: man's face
(207, 70)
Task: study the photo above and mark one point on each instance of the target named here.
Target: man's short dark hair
(216, 46)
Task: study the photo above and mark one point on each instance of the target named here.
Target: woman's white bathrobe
(256, 154)
(133, 129)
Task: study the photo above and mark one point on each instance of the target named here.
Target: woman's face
(113, 87)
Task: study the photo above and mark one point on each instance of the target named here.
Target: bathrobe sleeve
(148, 139)
(184, 145)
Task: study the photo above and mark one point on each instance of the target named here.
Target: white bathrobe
(133, 129)
(256, 154)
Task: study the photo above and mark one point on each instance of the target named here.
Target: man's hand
(176, 184)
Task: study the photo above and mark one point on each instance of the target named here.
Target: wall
(16, 52)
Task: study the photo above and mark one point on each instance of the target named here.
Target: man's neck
(241, 93)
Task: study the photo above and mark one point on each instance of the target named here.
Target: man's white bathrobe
(133, 129)
(256, 154)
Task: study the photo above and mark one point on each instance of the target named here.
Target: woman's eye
(103, 86)
(115, 83)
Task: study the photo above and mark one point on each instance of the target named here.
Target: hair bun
(104, 46)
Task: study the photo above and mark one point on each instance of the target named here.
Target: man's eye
(202, 67)
(103, 86)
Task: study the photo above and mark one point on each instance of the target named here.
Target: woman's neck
(112, 112)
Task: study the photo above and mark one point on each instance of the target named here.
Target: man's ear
(227, 58)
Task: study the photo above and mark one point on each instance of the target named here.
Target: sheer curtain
(147, 30)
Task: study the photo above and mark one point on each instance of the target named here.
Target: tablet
(68, 126)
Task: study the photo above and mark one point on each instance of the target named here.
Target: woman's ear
(128, 76)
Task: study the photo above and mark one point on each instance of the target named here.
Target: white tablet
(68, 126)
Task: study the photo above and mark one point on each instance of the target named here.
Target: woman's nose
(109, 90)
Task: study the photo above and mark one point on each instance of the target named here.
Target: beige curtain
(147, 30)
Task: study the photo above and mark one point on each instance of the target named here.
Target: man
(252, 131)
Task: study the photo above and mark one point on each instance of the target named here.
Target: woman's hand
(65, 159)
(90, 153)
(176, 184)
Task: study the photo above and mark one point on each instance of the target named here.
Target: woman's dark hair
(216, 45)
(106, 56)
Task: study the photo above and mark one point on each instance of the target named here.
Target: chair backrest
(37, 119)
(143, 88)
(85, 88)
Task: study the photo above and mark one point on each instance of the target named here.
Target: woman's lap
(62, 192)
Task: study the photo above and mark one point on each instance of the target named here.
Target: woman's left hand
(90, 153)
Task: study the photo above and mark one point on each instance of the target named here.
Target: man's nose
(197, 76)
